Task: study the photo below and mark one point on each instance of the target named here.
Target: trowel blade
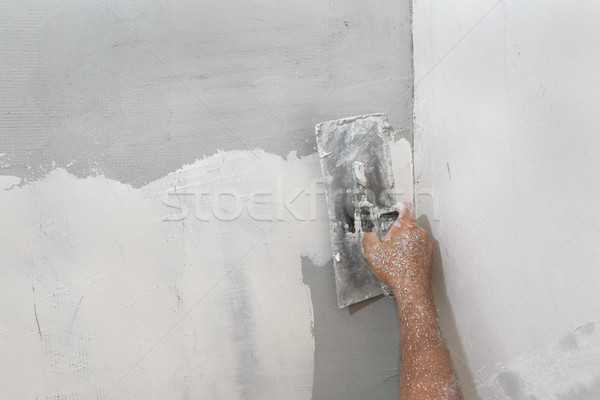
(367, 139)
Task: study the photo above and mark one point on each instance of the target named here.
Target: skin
(402, 260)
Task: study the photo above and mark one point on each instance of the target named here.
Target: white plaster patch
(114, 292)
(7, 182)
(402, 168)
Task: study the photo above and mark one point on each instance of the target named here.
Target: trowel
(367, 169)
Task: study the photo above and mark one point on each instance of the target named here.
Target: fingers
(406, 216)
(370, 241)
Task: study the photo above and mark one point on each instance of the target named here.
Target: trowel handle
(382, 222)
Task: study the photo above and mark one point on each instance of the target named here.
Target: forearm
(426, 371)
(402, 260)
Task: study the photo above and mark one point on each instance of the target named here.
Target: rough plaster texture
(135, 90)
(122, 94)
(506, 141)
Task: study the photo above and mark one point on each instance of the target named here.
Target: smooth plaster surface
(506, 142)
(189, 287)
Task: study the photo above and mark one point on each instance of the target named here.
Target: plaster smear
(548, 373)
(162, 292)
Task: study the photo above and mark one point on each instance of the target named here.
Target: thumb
(406, 216)
(370, 240)
(406, 211)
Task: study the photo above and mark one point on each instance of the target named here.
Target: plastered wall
(506, 159)
(163, 232)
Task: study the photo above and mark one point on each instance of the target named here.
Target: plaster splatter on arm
(402, 260)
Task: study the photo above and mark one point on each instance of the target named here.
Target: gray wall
(102, 297)
(135, 90)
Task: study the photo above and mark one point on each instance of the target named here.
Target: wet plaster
(356, 348)
(243, 335)
(134, 91)
(114, 292)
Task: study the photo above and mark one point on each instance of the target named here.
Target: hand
(402, 259)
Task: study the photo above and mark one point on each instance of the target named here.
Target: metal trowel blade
(370, 143)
